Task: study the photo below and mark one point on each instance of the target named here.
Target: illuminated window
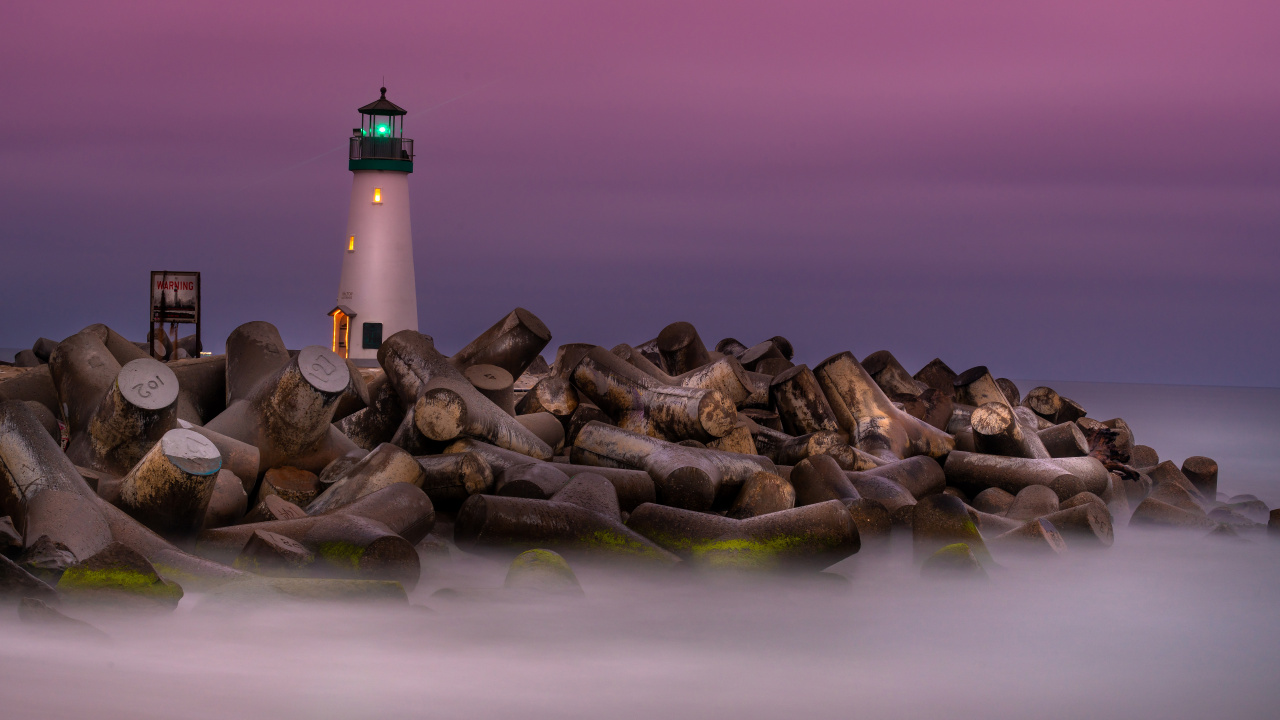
(377, 196)
(351, 244)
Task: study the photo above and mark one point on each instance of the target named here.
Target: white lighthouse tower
(377, 296)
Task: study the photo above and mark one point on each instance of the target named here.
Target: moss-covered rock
(117, 573)
(542, 571)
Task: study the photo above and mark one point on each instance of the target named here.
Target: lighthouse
(377, 296)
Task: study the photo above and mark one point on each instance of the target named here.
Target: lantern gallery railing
(381, 148)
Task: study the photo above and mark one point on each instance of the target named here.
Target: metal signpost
(175, 299)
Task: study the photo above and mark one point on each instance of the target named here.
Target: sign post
(175, 299)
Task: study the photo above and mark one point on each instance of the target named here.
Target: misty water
(1162, 625)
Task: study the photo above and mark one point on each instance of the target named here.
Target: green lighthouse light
(379, 142)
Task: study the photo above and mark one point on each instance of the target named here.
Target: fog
(1168, 625)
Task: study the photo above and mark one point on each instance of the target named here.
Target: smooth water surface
(1162, 625)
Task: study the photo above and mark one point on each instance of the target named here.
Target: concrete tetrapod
(931, 406)
(546, 427)
(377, 423)
(873, 423)
(288, 415)
(1045, 402)
(536, 480)
(255, 351)
(682, 476)
(1037, 536)
(202, 387)
(1087, 525)
(681, 348)
(1064, 440)
(976, 387)
(819, 479)
(239, 457)
(445, 404)
(43, 492)
(372, 538)
(268, 553)
(113, 414)
(784, 449)
(386, 465)
(49, 499)
(1152, 512)
(494, 383)
(725, 375)
(135, 412)
(228, 503)
(511, 344)
(975, 472)
(490, 521)
(810, 537)
(939, 376)
(593, 492)
(801, 406)
(1032, 502)
(639, 403)
(956, 561)
(761, 494)
(551, 394)
(993, 500)
(57, 500)
(118, 574)
(1203, 474)
(451, 479)
(997, 431)
(940, 520)
(920, 475)
(355, 547)
(296, 485)
(1010, 391)
(35, 385)
(889, 374)
(169, 489)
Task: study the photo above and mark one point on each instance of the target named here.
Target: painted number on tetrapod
(144, 389)
(193, 446)
(324, 365)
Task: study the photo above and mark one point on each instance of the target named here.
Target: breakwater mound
(268, 472)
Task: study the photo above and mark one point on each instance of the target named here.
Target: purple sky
(1070, 190)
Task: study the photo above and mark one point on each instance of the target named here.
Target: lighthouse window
(351, 244)
(372, 339)
(377, 196)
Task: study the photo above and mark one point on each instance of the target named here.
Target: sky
(1080, 190)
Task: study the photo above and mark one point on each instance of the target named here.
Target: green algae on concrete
(542, 571)
(118, 573)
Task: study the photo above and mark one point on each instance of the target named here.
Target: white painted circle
(148, 384)
(323, 369)
(191, 452)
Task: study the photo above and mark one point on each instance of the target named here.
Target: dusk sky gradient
(1077, 190)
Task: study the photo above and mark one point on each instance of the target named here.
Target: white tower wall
(377, 275)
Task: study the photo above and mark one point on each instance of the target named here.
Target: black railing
(381, 148)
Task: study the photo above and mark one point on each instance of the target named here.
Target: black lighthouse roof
(383, 106)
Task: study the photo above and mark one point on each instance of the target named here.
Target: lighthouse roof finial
(383, 106)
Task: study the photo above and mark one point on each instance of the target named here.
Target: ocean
(1161, 625)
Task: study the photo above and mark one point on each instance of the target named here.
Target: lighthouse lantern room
(377, 296)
